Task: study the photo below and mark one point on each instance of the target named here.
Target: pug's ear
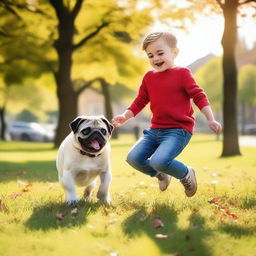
(108, 124)
(76, 123)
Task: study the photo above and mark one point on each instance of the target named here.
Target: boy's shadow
(180, 241)
(58, 215)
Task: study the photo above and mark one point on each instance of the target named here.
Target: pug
(83, 156)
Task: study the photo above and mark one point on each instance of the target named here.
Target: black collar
(88, 154)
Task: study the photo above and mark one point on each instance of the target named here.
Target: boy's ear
(175, 52)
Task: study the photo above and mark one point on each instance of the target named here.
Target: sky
(204, 37)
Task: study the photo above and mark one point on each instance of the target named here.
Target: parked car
(250, 129)
(26, 131)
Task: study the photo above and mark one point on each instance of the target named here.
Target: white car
(26, 131)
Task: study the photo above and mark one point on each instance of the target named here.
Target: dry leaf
(161, 236)
(15, 195)
(214, 200)
(3, 207)
(59, 216)
(233, 216)
(74, 211)
(157, 223)
(223, 217)
(153, 211)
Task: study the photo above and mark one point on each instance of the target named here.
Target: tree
(20, 58)
(78, 23)
(230, 10)
(112, 16)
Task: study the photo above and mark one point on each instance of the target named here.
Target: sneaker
(163, 180)
(189, 182)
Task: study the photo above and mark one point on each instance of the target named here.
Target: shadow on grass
(30, 170)
(188, 241)
(237, 231)
(59, 215)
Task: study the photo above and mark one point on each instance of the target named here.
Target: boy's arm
(119, 120)
(213, 124)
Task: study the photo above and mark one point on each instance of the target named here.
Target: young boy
(169, 90)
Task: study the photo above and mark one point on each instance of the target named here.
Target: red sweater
(170, 94)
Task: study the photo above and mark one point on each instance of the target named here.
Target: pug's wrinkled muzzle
(94, 143)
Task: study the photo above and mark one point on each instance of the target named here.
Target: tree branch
(91, 35)
(220, 4)
(8, 6)
(85, 86)
(246, 2)
(76, 9)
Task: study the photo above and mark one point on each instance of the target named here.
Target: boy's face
(160, 55)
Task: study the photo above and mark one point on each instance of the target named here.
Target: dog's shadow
(60, 215)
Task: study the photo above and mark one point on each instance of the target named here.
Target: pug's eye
(103, 131)
(86, 131)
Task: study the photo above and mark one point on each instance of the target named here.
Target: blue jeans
(156, 152)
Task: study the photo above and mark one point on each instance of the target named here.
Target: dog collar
(88, 154)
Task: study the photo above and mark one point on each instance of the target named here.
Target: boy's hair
(169, 38)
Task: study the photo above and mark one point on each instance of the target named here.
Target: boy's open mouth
(159, 64)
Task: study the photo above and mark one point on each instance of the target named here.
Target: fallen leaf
(233, 202)
(74, 211)
(3, 207)
(59, 216)
(223, 217)
(157, 223)
(15, 195)
(234, 217)
(153, 211)
(214, 200)
(161, 236)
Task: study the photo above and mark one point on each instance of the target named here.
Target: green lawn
(219, 220)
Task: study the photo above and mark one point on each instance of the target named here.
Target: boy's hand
(117, 121)
(215, 126)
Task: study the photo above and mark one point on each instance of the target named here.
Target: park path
(249, 141)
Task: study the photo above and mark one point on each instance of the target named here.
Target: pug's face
(91, 132)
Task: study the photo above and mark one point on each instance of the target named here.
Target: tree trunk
(67, 97)
(108, 105)
(230, 138)
(3, 125)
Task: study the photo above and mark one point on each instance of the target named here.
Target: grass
(219, 220)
